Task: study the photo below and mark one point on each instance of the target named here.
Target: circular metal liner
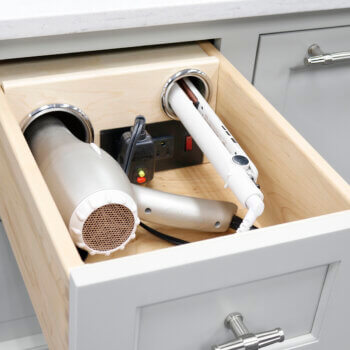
(190, 73)
(80, 127)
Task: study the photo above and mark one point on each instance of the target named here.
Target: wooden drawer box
(294, 272)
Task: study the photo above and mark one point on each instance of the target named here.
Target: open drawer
(293, 273)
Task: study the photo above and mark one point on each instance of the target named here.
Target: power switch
(141, 180)
(189, 143)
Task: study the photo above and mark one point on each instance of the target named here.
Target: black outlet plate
(170, 144)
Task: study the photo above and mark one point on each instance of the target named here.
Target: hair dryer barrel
(92, 193)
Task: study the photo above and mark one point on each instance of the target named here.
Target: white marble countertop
(35, 18)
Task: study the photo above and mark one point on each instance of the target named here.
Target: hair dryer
(96, 200)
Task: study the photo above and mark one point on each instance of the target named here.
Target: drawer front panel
(292, 276)
(289, 301)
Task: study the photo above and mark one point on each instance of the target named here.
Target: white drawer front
(293, 276)
(289, 301)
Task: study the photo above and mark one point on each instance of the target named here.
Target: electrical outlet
(164, 147)
(174, 147)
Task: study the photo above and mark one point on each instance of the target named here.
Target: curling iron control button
(241, 160)
(189, 144)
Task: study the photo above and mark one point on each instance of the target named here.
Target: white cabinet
(314, 99)
(292, 273)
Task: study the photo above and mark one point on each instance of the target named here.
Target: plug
(141, 164)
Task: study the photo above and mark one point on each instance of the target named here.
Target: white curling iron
(220, 147)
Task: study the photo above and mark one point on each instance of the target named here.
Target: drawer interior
(112, 88)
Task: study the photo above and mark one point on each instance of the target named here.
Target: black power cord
(138, 131)
(169, 239)
(235, 223)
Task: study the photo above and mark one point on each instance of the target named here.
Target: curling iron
(220, 147)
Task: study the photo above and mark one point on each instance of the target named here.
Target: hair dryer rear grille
(108, 227)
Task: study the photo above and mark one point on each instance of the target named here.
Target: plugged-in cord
(236, 223)
(169, 239)
(137, 131)
(255, 207)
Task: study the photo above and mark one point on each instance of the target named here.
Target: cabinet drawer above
(142, 297)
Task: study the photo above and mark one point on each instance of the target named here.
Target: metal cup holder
(73, 118)
(198, 78)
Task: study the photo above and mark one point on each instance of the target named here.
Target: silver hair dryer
(96, 200)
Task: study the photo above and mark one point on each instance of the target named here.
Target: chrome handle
(246, 340)
(317, 56)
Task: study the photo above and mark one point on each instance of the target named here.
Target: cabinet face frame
(48, 258)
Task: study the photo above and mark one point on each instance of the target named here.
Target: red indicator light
(141, 180)
(189, 142)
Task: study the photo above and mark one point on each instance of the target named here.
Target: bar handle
(246, 340)
(316, 56)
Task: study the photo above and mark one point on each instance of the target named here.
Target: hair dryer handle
(183, 211)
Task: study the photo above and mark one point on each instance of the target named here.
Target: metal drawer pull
(317, 56)
(245, 339)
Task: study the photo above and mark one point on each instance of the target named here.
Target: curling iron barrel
(223, 151)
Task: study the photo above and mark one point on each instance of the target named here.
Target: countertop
(36, 18)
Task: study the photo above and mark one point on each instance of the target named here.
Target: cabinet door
(316, 100)
(17, 317)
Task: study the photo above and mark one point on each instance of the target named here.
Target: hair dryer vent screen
(108, 227)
